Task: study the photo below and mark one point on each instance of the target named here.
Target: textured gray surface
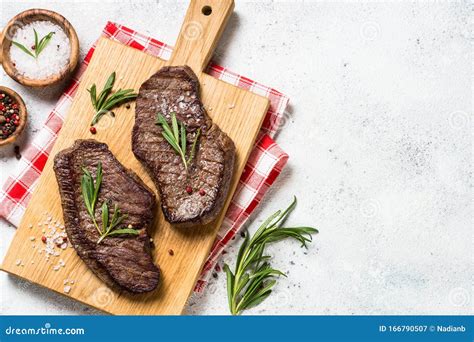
(379, 133)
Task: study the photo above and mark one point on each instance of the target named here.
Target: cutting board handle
(202, 27)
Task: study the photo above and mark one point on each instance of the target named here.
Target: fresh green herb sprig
(90, 193)
(176, 137)
(253, 278)
(105, 101)
(39, 46)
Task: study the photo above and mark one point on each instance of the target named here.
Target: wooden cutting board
(239, 113)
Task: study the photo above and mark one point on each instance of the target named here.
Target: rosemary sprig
(105, 101)
(176, 137)
(253, 277)
(39, 45)
(90, 193)
(110, 228)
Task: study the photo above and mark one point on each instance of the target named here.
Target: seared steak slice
(196, 195)
(124, 262)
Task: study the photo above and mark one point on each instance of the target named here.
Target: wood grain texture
(239, 113)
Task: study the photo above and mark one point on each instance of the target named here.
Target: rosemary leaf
(174, 124)
(183, 137)
(105, 217)
(105, 92)
(93, 93)
(85, 194)
(24, 48)
(124, 231)
(98, 183)
(36, 39)
(230, 284)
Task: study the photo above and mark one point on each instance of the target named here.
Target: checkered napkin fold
(263, 167)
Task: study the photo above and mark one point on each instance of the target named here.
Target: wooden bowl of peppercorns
(13, 115)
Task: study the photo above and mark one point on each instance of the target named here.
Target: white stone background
(379, 133)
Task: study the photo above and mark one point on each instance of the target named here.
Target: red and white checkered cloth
(263, 167)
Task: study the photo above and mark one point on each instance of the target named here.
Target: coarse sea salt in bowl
(39, 48)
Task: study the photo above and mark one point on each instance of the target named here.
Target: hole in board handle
(206, 10)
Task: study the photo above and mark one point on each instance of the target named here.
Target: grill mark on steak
(176, 89)
(122, 262)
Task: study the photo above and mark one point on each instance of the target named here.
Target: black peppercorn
(9, 116)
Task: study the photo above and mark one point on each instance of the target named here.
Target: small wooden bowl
(25, 18)
(22, 112)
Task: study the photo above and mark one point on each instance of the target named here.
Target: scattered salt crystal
(32, 262)
(30, 226)
(232, 106)
(67, 289)
(64, 245)
(71, 281)
(32, 238)
(51, 61)
(56, 267)
(18, 262)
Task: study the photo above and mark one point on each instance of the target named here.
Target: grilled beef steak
(124, 262)
(197, 194)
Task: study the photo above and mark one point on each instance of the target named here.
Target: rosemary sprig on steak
(105, 101)
(90, 193)
(254, 277)
(176, 137)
